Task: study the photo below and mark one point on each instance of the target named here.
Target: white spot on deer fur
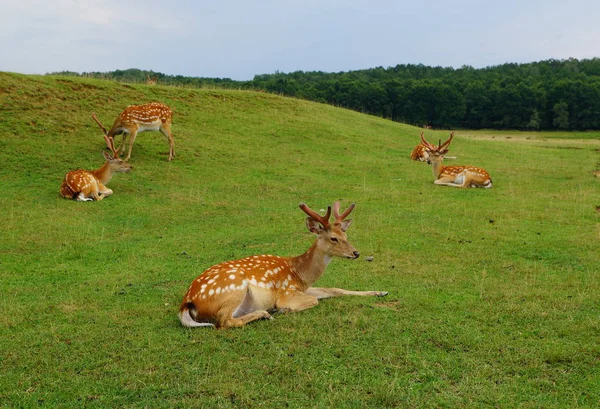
(218, 290)
(232, 277)
(211, 292)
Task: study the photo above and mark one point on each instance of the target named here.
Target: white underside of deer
(234, 293)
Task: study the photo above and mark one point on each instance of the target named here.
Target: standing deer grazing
(234, 293)
(455, 176)
(141, 118)
(87, 185)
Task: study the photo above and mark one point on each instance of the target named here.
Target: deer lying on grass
(141, 118)
(455, 176)
(234, 293)
(86, 185)
(419, 153)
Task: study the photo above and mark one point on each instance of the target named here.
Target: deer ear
(346, 224)
(313, 225)
(107, 156)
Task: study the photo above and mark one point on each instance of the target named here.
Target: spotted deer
(419, 153)
(141, 118)
(455, 176)
(234, 293)
(87, 185)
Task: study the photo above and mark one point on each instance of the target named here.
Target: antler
(441, 146)
(425, 143)
(447, 142)
(336, 212)
(99, 124)
(324, 220)
(110, 142)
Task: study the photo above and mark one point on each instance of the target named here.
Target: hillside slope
(493, 293)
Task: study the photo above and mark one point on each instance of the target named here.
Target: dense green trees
(552, 94)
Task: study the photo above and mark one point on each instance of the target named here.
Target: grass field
(494, 295)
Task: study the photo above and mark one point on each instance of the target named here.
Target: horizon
(318, 71)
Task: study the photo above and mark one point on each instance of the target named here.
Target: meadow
(493, 293)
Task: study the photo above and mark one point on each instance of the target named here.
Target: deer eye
(334, 239)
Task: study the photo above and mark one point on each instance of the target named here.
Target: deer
(234, 293)
(151, 81)
(88, 185)
(419, 153)
(455, 176)
(141, 118)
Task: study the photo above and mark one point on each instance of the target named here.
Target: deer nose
(356, 254)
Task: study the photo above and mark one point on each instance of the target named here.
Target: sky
(239, 39)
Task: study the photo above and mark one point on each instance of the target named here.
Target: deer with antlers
(455, 176)
(419, 153)
(87, 185)
(141, 118)
(234, 293)
(151, 81)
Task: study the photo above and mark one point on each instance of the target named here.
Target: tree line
(544, 95)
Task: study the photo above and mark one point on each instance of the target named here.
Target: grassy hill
(493, 293)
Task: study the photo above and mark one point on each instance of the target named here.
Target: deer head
(436, 153)
(332, 238)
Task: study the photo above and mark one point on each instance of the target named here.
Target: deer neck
(310, 265)
(104, 174)
(437, 168)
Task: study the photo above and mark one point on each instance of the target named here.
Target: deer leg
(165, 129)
(321, 293)
(296, 302)
(244, 319)
(122, 147)
(81, 198)
(447, 181)
(103, 190)
(132, 136)
(249, 309)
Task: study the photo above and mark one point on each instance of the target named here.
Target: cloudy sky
(241, 38)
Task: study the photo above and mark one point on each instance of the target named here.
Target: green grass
(493, 293)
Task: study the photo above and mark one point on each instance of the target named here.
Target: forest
(545, 95)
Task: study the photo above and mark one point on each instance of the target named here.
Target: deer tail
(186, 318)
